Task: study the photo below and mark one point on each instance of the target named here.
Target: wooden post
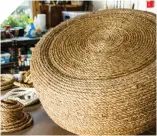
(36, 8)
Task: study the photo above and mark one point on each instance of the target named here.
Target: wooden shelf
(24, 67)
(7, 65)
(20, 41)
(63, 5)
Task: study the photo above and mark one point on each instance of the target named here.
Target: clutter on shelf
(33, 28)
(36, 27)
(5, 57)
(24, 56)
(11, 32)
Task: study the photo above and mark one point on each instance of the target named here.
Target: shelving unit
(54, 12)
(16, 43)
(63, 5)
(7, 65)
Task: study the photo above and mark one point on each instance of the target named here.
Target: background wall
(138, 4)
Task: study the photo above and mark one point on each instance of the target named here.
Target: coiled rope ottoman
(95, 74)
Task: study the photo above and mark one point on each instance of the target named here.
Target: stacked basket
(95, 74)
(12, 116)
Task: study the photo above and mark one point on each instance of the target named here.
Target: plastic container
(41, 19)
(32, 31)
(71, 14)
(5, 58)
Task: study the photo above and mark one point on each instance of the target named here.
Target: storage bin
(5, 57)
(68, 14)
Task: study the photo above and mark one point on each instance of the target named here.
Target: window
(20, 17)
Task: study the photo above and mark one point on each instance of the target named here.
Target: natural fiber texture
(95, 74)
(26, 96)
(5, 87)
(25, 77)
(16, 83)
(6, 81)
(24, 80)
(12, 116)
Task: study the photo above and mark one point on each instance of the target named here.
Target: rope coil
(12, 116)
(6, 81)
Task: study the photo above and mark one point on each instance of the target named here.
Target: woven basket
(95, 74)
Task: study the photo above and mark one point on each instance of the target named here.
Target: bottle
(29, 52)
(25, 61)
(31, 31)
(28, 61)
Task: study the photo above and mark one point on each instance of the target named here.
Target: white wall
(139, 4)
(98, 5)
(103, 4)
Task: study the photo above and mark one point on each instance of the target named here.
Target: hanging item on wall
(150, 3)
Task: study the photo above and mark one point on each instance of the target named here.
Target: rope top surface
(102, 45)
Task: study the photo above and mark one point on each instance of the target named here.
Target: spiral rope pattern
(12, 116)
(16, 83)
(95, 74)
